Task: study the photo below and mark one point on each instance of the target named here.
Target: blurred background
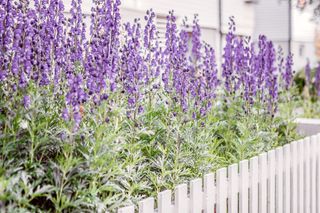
(291, 24)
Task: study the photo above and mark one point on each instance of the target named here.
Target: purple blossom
(210, 80)
(76, 33)
(271, 79)
(65, 114)
(288, 73)
(308, 72)
(317, 80)
(228, 58)
(152, 50)
(103, 55)
(171, 50)
(26, 101)
(196, 42)
(133, 72)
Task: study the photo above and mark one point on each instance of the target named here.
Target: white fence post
(272, 181)
(313, 173)
(233, 188)
(318, 172)
(287, 177)
(222, 190)
(244, 186)
(263, 167)
(279, 180)
(307, 180)
(164, 202)
(181, 199)
(294, 183)
(128, 209)
(209, 193)
(147, 205)
(301, 192)
(196, 195)
(254, 179)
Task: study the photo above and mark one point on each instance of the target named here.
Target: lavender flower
(103, 56)
(228, 58)
(65, 114)
(196, 43)
(317, 80)
(152, 51)
(271, 78)
(76, 33)
(308, 73)
(26, 101)
(210, 80)
(288, 73)
(171, 49)
(133, 76)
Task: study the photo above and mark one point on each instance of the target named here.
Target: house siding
(268, 17)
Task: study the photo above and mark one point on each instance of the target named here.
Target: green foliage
(306, 101)
(46, 166)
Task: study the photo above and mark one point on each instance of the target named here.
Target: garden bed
(96, 123)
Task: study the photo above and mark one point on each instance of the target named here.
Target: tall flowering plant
(55, 51)
(253, 75)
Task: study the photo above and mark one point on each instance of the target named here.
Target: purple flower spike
(288, 73)
(26, 101)
(308, 72)
(65, 114)
(317, 80)
(196, 42)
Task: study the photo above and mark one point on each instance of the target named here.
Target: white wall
(272, 19)
(308, 52)
(269, 17)
(303, 32)
(206, 9)
(244, 16)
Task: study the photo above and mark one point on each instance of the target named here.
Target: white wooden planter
(307, 126)
(286, 179)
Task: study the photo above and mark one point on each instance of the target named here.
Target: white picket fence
(286, 179)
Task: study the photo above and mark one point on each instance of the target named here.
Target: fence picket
(244, 186)
(313, 173)
(307, 175)
(196, 195)
(254, 179)
(209, 193)
(271, 181)
(318, 172)
(164, 202)
(222, 189)
(279, 180)
(301, 176)
(233, 188)
(287, 178)
(181, 199)
(263, 183)
(128, 209)
(147, 205)
(294, 180)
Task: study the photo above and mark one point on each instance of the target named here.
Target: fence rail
(286, 179)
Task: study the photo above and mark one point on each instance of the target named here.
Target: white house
(253, 17)
(272, 18)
